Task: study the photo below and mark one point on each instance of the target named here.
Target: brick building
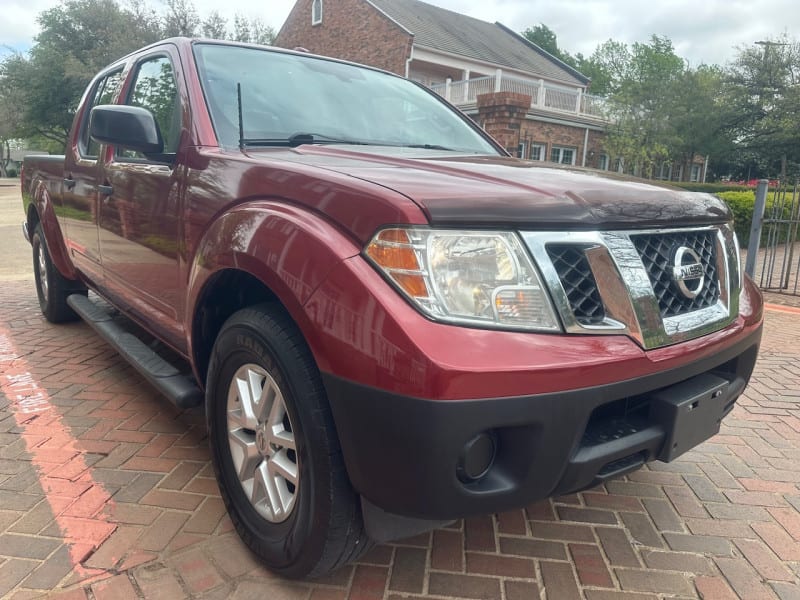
(534, 104)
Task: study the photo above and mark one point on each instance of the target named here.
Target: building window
(602, 162)
(522, 150)
(560, 154)
(695, 176)
(538, 151)
(316, 12)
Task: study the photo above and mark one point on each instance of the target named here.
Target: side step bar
(181, 389)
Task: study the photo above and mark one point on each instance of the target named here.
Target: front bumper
(402, 452)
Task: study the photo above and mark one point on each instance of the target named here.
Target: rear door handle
(106, 190)
(69, 183)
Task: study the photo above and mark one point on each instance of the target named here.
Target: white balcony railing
(543, 96)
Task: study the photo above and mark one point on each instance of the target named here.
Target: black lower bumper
(402, 453)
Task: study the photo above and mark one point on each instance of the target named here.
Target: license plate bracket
(690, 412)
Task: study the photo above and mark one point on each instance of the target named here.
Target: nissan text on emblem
(687, 272)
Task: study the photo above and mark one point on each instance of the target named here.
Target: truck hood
(454, 189)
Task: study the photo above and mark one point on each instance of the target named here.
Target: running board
(181, 389)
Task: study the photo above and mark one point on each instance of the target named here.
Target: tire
(52, 287)
(275, 450)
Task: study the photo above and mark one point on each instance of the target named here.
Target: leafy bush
(711, 188)
(742, 205)
(11, 172)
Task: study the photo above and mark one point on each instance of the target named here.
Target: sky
(702, 32)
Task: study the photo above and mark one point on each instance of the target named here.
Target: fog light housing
(477, 457)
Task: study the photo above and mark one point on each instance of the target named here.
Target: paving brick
(159, 583)
(26, 546)
(408, 574)
(533, 548)
(663, 515)
(369, 582)
(758, 485)
(160, 533)
(730, 529)
(703, 544)
(789, 518)
(180, 476)
(786, 591)
(12, 571)
(778, 540)
(591, 567)
(169, 499)
(206, 517)
(479, 534)
(714, 588)
(616, 595)
(617, 547)
(232, 557)
(116, 588)
(32, 521)
(586, 515)
(114, 549)
(764, 560)
(640, 490)
(641, 580)
(380, 555)
(447, 553)
(704, 489)
(737, 512)
(613, 502)
(743, 579)
(196, 571)
(522, 590)
(642, 530)
(541, 511)
(502, 566)
(559, 581)
(562, 532)
(512, 522)
(134, 491)
(685, 502)
(677, 561)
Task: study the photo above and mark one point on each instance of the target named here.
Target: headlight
(470, 277)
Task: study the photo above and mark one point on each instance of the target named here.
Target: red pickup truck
(391, 323)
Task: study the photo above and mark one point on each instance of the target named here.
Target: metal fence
(773, 257)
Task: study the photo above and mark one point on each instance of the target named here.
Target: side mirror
(130, 127)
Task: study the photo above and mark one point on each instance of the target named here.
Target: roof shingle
(448, 31)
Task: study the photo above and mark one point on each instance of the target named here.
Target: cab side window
(154, 89)
(104, 93)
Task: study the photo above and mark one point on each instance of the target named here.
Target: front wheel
(52, 288)
(276, 454)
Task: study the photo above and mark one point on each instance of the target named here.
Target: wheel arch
(259, 252)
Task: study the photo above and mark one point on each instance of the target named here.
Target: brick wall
(351, 30)
(502, 114)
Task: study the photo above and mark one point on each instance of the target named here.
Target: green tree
(763, 93)
(77, 39)
(215, 26)
(181, 19)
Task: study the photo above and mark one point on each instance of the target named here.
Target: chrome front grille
(578, 282)
(659, 287)
(657, 252)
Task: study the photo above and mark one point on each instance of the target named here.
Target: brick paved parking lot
(106, 491)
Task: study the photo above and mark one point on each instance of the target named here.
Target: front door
(140, 221)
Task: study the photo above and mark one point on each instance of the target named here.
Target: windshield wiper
(429, 147)
(298, 139)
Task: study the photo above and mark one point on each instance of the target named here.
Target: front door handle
(106, 190)
(69, 183)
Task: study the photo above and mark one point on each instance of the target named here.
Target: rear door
(79, 210)
(140, 219)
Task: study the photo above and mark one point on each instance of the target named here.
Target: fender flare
(288, 249)
(43, 205)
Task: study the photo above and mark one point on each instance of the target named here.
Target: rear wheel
(52, 287)
(276, 455)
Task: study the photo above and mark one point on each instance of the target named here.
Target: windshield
(284, 95)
